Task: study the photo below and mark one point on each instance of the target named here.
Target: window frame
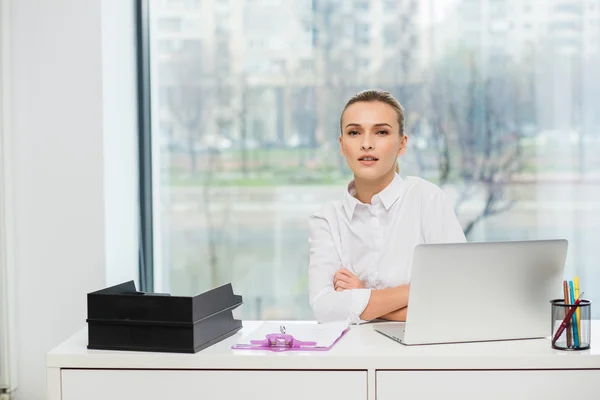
(146, 235)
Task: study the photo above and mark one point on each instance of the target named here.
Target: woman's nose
(366, 145)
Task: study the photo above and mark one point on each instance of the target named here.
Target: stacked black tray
(121, 318)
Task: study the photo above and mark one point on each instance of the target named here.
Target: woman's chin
(370, 173)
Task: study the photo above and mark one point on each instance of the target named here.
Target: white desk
(363, 365)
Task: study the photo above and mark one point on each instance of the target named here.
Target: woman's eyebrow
(352, 124)
(379, 124)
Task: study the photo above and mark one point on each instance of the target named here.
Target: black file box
(121, 318)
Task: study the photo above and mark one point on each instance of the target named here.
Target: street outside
(261, 238)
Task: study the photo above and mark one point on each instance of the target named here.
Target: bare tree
(188, 92)
(476, 132)
(191, 93)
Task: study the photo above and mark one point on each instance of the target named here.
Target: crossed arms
(337, 294)
(390, 304)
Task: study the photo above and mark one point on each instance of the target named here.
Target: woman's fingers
(346, 283)
(345, 272)
(342, 278)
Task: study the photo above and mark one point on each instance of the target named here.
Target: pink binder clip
(283, 342)
(277, 342)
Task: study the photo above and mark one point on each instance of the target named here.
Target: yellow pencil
(577, 312)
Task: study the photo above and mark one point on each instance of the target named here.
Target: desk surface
(361, 348)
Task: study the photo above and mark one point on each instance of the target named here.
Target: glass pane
(501, 100)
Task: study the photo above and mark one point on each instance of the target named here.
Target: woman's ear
(342, 152)
(403, 144)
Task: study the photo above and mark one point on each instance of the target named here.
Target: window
(364, 63)
(565, 26)
(191, 25)
(222, 25)
(190, 4)
(390, 5)
(391, 35)
(568, 7)
(246, 138)
(167, 46)
(362, 33)
(306, 65)
(361, 6)
(169, 25)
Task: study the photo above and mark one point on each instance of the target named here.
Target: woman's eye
(353, 133)
(382, 133)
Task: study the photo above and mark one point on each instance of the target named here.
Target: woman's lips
(368, 160)
(367, 163)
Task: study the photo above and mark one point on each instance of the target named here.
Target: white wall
(8, 366)
(72, 110)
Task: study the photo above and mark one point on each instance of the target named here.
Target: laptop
(470, 292)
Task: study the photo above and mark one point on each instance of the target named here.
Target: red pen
(567, 319)
(567, 301)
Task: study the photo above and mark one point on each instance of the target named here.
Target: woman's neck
(367, 188)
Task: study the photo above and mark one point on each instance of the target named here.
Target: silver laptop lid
(483, 291)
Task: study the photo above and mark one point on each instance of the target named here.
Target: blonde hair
(377, 95)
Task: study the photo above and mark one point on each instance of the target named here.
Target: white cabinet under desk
(363, 365)
(102, 384)
(488, 385)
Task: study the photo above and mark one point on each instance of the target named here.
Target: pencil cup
(576, 331)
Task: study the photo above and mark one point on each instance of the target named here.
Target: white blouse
(375, 242)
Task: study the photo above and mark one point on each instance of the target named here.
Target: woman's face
(370, 139)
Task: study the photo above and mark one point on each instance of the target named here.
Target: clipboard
(325, 337)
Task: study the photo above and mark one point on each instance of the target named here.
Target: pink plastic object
(283, 342)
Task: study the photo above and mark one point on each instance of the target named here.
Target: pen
(574, 318)
(578, 311)
(566, 300)
(565, 321)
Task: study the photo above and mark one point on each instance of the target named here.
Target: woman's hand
(345, 280)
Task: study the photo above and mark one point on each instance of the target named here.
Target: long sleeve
(327, 304)
(440, 224)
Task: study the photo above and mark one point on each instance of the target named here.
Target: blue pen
(574, 318)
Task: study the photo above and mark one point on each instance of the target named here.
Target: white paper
(324, 334)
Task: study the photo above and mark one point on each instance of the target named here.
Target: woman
(361, 246)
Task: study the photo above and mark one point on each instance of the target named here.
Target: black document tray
(121, 318)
